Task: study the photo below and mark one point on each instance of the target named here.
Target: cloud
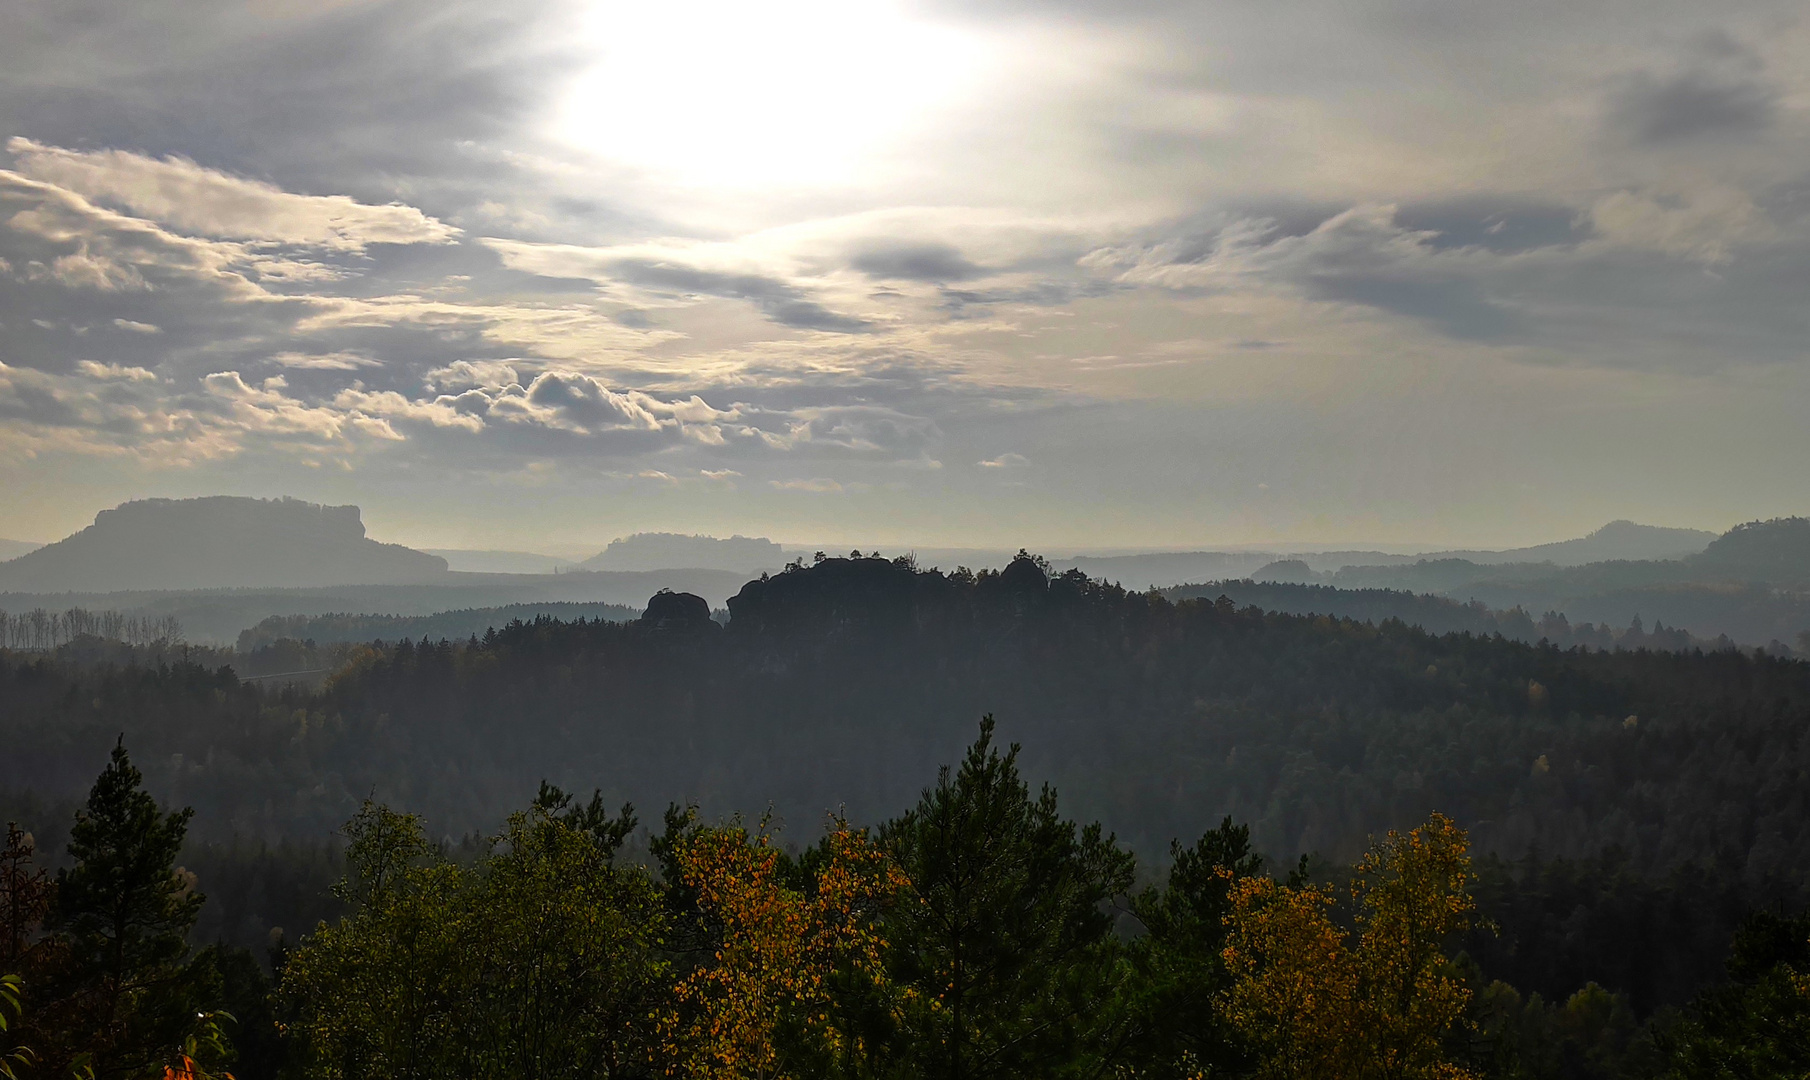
(906, 261)
(115, 411)
(821, 485)
(779, 300)
(875, 430)
(1706, 225)
(84, 270)
(495, 374)
(266, 410)
(114, 371)
(159, 295)
(335, 361)
(1360, 256)
(207, 202)
(1429, 207)
(1502, 224)
(392, 407)
(576, 403)
(1655, 109)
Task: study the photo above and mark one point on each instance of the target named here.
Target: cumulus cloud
(573, 402)
(390, 406)
(207, 202)
(1007, 460)
(266, 410)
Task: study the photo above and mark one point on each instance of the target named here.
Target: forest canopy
(983, 933)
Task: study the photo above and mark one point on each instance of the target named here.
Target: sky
(1068, 274)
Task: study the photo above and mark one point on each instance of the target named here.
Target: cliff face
(218, 542)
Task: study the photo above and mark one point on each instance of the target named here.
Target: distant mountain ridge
(218, 542)
(675, 551)
(12, 549)
(1618, 540)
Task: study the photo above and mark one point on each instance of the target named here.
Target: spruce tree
(123, 911)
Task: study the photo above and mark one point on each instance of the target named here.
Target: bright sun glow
(725, 93)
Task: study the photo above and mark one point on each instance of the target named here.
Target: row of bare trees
(39, 630)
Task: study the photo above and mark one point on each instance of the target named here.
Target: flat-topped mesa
(218, 542)
(232, 512)
(672, 551)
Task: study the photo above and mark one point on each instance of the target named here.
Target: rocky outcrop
(671, 612)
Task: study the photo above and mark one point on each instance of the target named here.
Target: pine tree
(123, 911)
(1002, 931)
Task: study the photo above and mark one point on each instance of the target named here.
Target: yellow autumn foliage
(1317, 1001)
(769, 988)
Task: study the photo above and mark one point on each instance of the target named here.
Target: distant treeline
(844, 682)
(453, 625)
(1442, 615)
(40, 630)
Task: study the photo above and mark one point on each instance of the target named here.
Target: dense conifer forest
(1510, 858)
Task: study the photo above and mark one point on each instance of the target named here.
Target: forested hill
(465, 622)
(846, 683)
(1442, 615)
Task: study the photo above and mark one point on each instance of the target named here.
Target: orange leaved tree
(1318, 1001)
(787, 942)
